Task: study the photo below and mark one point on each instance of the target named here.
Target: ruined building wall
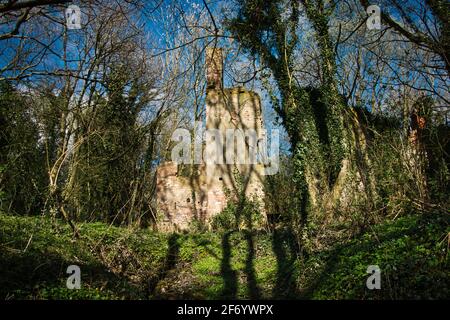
(179, 201)
(236, 109)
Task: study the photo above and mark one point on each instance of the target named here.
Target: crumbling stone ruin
(204, 193)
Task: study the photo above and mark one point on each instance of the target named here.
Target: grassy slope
(125, 264)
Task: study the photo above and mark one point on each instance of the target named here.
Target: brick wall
(180, 200)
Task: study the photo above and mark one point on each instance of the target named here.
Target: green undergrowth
(123, 263)
(411, 252)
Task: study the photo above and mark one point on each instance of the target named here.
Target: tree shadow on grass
(170, 263)
(253, 289)
(228, 274)
(286, 251)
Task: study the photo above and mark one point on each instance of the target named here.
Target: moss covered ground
(124, 263)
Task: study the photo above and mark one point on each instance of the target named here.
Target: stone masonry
(183, 199)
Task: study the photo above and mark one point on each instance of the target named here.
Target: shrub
(241, 214)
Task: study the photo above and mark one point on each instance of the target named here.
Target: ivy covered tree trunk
(321, 129)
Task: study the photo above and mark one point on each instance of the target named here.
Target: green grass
(412, 253)
(122, 263)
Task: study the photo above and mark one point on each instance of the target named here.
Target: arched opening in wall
(220, 178)
(188, 200)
